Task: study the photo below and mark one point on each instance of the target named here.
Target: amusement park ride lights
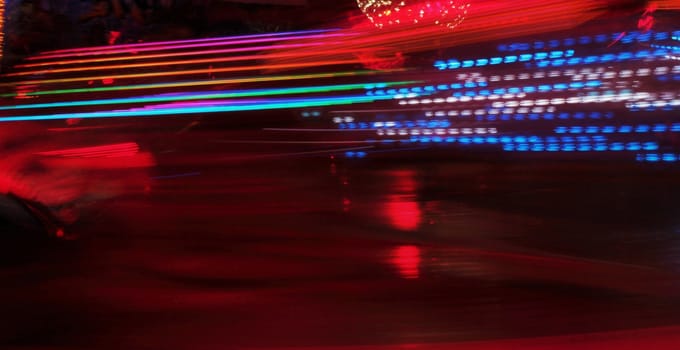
(384, 13)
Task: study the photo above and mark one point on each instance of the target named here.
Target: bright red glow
(404, 214)
(488, 20)
(406, 259)
(106, 151)
(401, 208)
(401, 12)
(137, 160)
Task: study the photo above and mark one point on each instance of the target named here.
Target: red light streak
(510, 18)
(107, 151)
(407, 260)
(191, 72)
(247, 58)
(120, 161)
(116, 49)
(196, 83)
(170, 54)
(227, 40)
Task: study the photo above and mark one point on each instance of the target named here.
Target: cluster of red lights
(383, 13)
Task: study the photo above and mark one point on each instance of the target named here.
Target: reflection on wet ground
(318, 251)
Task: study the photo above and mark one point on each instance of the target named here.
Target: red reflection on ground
(403, 213)
(406, 259)
(401, 208)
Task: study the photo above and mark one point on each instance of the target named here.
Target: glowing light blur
(185, 72)
(192, 83)
(188, 43)
(202, 107)
(2, 28)
(406, 259)
(449, 13)
(197, 96)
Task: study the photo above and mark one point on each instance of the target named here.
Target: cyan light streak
(201, 108)
(201, 96)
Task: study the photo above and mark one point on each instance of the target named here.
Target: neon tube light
(199, 96)
(216, 107)
(197, 83)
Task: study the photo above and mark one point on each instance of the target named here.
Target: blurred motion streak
(406, 259)
(401, 208)
(509, 18)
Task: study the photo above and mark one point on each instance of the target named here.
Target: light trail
(187, 41)
(185, 72)
(114, 49)
(185, 109)
(171, 54)
(199, 96)
(195, 83)
(151, 64)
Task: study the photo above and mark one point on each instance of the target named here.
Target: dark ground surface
(231, 246)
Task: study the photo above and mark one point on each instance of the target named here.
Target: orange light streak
(195, 83)
(164, 63)
(127, 49)
(169, 54)
(189, 72)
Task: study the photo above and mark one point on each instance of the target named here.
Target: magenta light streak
(176, 54)
(115, 49)
(109, 47)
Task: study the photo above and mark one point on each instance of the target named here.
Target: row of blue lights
(428, 88)
(353, 154)
(503, 117)
(667, 106)
(493, 140)
(545, 59)
(412, 124)
(486, 92)
(586, 40)
(581, 147)
(667, 47)
(481, 62)
(621, 129)
(666, 77)
(548, 144)
(547, 116)
(443, 123)
(604, 58)
(307, 114)
(531, 88)
(397, 124)
(657, 157)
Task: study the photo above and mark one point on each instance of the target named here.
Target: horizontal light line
(132, 53)
(198, 96)
(185, 72)
(198, 83)
(313, 130)
(256, 105)
(116, 47)
(170, 54)
(293, 142)
(160, 63)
